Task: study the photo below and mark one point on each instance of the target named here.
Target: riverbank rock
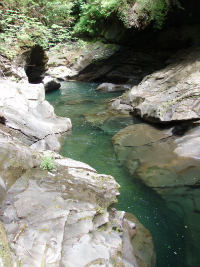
(171, 94)
(110, 87)
(61, 73)
(169, 164)
(29, 115)
(10, 70)
(96, 60)
(142, 241)
(50, 84)
(64, 217)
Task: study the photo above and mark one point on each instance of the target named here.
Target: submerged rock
(170, 165)
(142, 241)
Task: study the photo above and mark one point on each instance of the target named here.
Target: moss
(85, 218)
(104, 227)
(100, 210)
(5, 252)
(116, 258)
(45, 229)
(95, 262)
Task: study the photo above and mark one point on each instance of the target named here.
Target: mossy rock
(5, 252)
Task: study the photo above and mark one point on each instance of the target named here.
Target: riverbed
(91, 143)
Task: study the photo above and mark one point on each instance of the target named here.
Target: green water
(92, 145)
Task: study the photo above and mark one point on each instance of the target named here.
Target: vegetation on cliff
(49, 22)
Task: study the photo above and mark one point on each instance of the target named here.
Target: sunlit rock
(170, 94)
(63, 217)
(50, 84)
(30, 115)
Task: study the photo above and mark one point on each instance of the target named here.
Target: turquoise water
(92, 144)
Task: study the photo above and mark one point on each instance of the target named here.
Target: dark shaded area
(36, 64)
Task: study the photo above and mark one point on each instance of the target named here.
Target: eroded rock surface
(24, 109)
(171, 94)
(170, 165)
(99, 61)
(60, 218)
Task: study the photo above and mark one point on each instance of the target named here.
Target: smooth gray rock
(170, 165)
(170, 94)
(61, 72)
(30, 115)
(60, 217)
(110, 87)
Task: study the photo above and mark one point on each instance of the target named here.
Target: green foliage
(48, 162)
(18, 29)
(155, 11)
(46, 11)
(94, 11)
(50, 22)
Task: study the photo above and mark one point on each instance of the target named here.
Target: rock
(50, 84)
(170, 165)
(142, 243)
(110, 87)
(40, 145)
(6, 256)
(61, 217)
(61, 72)
(170, 94)
(2, 190)
(11, 70)
(27, 112)
(106, 62)
(74, 164)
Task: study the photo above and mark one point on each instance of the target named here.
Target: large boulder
(171, 94)
(50, 84)
(26, 111)
(64, 217)
(168, 163)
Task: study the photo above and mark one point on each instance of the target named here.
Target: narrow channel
(92, 144)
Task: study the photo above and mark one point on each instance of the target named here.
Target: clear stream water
(92, 145)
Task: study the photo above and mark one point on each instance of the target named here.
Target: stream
(92, 144)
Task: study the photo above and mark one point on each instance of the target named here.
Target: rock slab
(25, 110)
